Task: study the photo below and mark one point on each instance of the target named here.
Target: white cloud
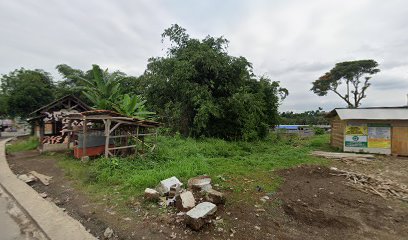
(291, 41)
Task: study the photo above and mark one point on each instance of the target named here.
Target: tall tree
(71, 81)
(354, 74)
(198, 89)
(26, 90)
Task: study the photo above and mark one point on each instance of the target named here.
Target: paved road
(9, 229)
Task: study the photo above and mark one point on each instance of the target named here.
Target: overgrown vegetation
(23, 144)
(228, 163)
(23, 91)
(198, 89)
(316, 117)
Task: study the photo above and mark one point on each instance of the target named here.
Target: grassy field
(234, 166)
(23, 144)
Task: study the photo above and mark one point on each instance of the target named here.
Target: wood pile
(345, 157)
(374, 184)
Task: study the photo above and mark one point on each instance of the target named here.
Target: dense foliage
(200, 90)
(316, 117)
(23, 91)
(197, 89)
(354, 74)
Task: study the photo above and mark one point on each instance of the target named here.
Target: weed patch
(235, 166)
(23, 144)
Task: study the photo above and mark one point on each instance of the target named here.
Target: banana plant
(133, 106)
(103, 89)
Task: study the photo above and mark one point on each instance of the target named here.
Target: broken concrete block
(43, 178)
(43, 195)
(27, 178)
(151, 194)
(166, 184)
(174, 190)
(185, 201)
(196, 217)
(215, 196)
(108, 233)
(200, 183)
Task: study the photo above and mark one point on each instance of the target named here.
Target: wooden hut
(103, 132)
(382, 130)
(48, 121)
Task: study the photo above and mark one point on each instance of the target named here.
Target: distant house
(381, 130)
(48, 122)
(301, 130)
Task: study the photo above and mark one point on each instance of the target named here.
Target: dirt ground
(311, 203)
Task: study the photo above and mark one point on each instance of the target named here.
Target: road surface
(9, 229)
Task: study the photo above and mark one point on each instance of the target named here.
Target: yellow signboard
(357, 130)
(379, 136)
(379, 143)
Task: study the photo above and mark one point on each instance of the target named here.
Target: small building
(103, 132)
(300, 130)
(382, 130)
(48, 122)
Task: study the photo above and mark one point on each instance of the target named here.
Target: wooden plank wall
(337, 133)
(400, 141)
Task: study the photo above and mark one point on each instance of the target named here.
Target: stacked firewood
(374, 184)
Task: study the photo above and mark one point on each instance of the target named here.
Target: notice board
(356, 136)
(379, 136)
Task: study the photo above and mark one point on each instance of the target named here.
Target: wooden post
(143, 138)
(155, 138)
(41, 124)
(137, 138)
(84, 132)
(69, 132)
(107, 135)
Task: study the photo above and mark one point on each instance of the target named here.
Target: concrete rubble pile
(197, 203)
(34, 176)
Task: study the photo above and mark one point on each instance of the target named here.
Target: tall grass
(23, 144)
(186, 158)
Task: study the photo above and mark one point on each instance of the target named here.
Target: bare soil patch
(310, 204)
(323, 206)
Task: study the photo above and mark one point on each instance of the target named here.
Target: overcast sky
(293, 42)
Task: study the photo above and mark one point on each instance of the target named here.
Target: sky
(293, 42)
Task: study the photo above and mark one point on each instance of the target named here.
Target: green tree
(354, 74)
(132, 106)
(198, 89)
(24, 90)
(316, 117)
(102, 89)
(70, 83)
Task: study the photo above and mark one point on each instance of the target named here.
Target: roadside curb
(53, 221)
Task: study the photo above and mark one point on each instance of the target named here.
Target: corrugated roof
(291, 127)
(111, 114)
(58, 101)
(380, 113)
